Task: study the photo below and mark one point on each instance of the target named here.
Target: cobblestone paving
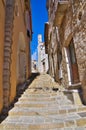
(41, 108)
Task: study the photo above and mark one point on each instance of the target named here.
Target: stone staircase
(41, 108)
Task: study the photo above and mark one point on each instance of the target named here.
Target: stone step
(42, 123)
(67, 125)
(53, 110)
(30, 127)
(45, 95)
(45, 100)
(35, 95)
(27, 104)
(47, 103)
(14, 126)
(39, 96)
(38, 119)
(42, 93)
(38, 102)
(40, 108)
(42, 104)
(36, 99)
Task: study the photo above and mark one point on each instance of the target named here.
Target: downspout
(9, 16)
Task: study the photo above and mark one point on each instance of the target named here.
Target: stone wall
(13, 41)
(80, 42)
(80, 36)
(73, 26)
(2, 21)
(21, 47)
(9, 15)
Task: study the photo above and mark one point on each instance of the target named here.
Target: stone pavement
(42, 108)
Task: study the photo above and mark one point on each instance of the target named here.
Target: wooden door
(73, 63)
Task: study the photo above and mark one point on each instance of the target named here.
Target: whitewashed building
(42, 57)
(34, 67)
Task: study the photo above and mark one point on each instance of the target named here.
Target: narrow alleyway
(41, 107)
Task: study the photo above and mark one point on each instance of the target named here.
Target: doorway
(21, 59)
(43, 66)
(73, 63)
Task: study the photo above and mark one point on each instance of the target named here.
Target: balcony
(61, 7)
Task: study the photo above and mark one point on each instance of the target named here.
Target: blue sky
(39, 17)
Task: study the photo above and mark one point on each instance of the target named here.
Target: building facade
(42, 56)
(15, 36)
(66, 43)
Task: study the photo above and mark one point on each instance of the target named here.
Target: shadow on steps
(19, 91)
